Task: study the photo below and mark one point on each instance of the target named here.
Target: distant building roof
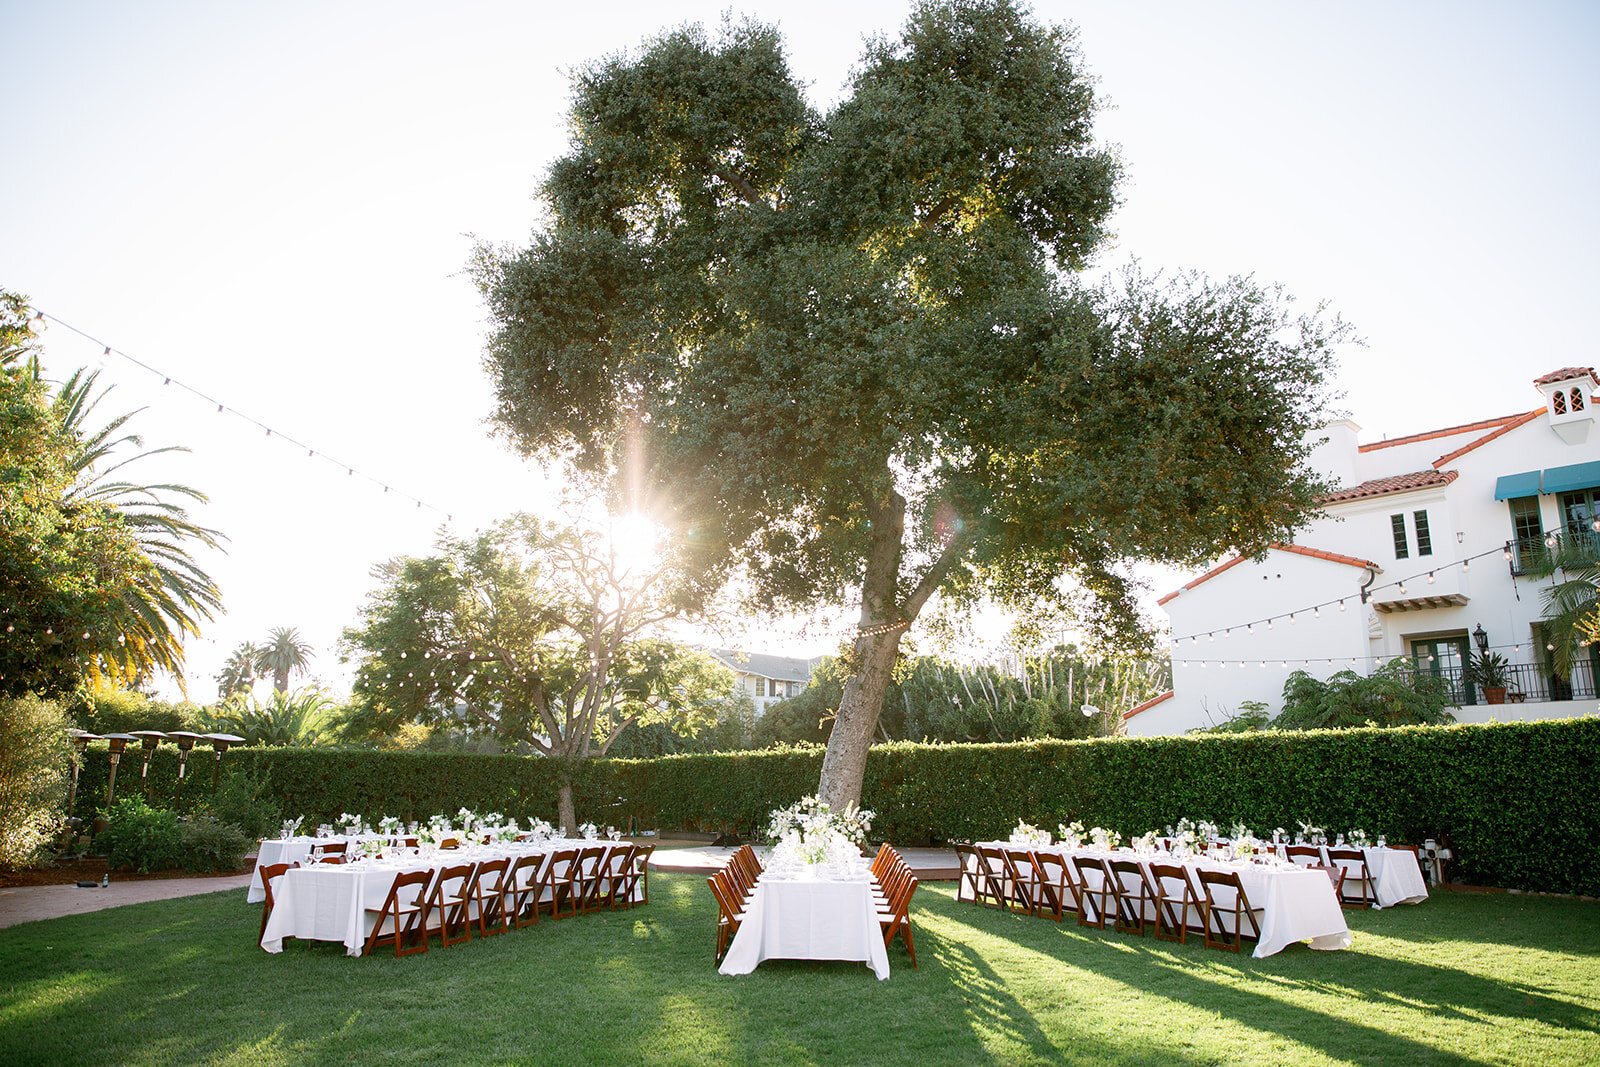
(1395, 483)
(783, 668)
(1299, 550)
(1567, 372)
(1148, 704)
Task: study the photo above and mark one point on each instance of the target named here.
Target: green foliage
(305, 717)
(35, 757)
(533, 632)
(247, 801)
(1487, 671)
(1489, 790)
(209, 845)
(1572, 601)
(1252, 716)
(139, 837)
(284, 654)
(946, 405)
(105, 708)
(1395, 694)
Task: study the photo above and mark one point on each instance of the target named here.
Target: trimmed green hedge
(1519, 802)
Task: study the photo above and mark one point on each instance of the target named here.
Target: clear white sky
(272, 202)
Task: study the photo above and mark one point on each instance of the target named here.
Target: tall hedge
(1519, 802)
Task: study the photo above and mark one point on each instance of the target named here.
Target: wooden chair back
(449, 902)
(617, 878)
(270, 873)
(400, 919)
(1134, 895)
(1058, 893)
(1226, 899)
(1304, 855)
(1356, 888)
(896, 922)
(525, 887)
(489, 896)
(1096, 892)
(730, 911)
(1023, 878)
(1175, 897)
(561, 882)
(641, 862)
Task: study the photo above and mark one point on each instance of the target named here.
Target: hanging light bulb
(1506, 552)
(1227, 634)
(1269, 624)
(1250, 629)
(1466, 565)
(1402, 588)
(1291, 618)
(1316, 612)
(1341, 603)
(1430, 577)
(1549, 540)
(36, 325)
(1263, 664)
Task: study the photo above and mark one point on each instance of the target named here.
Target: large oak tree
(852, 353)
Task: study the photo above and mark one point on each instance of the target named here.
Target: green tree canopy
(851, 355)
(537, 634)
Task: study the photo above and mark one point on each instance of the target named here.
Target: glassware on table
(1382, 843)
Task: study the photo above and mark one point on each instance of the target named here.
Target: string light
(36, 324)
(1430, 577)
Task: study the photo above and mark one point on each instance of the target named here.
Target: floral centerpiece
(1359, 838)
(352, 825)
(588, 831)
(389, 825)
(291, 827)
(540, 830)
(1104, 840)
(1070, 834)
(810, 833)
(1028, 834)
(372, 848)
(1309, 834)
(1145, 842)
(508, 830)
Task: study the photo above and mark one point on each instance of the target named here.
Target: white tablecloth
(329, 902)
(1296, 904)
(1396, 875)
(296, 850)
(808, 919)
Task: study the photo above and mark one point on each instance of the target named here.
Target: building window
(1559, 402)
(1577, 400)
(1424, 538)
(1527, 531)
(1397, 523)
(1579, 511)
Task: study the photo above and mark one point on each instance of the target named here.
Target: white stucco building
(766, 679)
(1423, 543)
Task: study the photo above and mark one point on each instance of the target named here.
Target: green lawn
(1462, 978)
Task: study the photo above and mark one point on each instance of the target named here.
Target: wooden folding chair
(1352, 863)
(1175, 895)
(730, 912)
(1303, 855)
(970, 873)
(524, 888)
(1225, 898)
(586, 880)
(641, 868)
(488, 895)
(1023, 878)
(1135, 896)
(616, 870)
(992, 864)
(269, 874)
(449, 899)
(402, 912)
(1096, 892)
(561, 882)
(329, 852)
(896, 921)
(1058, 893)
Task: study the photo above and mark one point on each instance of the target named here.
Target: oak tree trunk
(845, 765)
(567, 812)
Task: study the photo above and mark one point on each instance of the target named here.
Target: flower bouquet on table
(613, 834)
(539, 830)
(1105, 840)
(1311, 835)
(507, 830)
(588, 831)
(1359, 839)
(1145, 843)
(1070, 834)
(350, 825)
(808, 815)
(372, 848)
(1028, 835)
(390, 826)
(291, 827)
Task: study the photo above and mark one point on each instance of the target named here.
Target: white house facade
(765, 679)
(1420, 552)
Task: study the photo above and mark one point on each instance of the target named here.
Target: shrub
(35, 760)
(207, 845)
(139, 837)
(246, 800)
(1396, 694)
(108, 709)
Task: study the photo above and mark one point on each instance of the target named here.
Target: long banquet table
(1296, 904)
(1396, 874)
(331, 901)
(809, 918)
(297, 850)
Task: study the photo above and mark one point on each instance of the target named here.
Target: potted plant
(1489, 674)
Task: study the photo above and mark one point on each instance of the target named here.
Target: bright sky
(273, 203)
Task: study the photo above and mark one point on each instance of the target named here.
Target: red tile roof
(1566, 372)
(1147, 705)
(1448, 431)
(1451, 457)
(1300, 550)
(1395, 483)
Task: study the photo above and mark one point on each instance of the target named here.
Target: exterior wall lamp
(1482, 639)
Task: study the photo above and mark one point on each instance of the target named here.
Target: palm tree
(284, 654)
(240, 669)
(176, 595)
(1572, 602)
(304, 718)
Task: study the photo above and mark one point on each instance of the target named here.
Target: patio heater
(81, 739)
(149, 739)
(185, 740)
(220, 743)
(1481, 637)
(116, 743)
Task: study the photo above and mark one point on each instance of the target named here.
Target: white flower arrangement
(809, 815)
(389, 825)
(1315, 835)
(1104, 840)
(1279, 835)
(1145, 842)
(588, 831)
(540, 830)
(352, 825)
(1028, 834)
(372, 848)
(1359, 838)
(1070, 834)
(1207, 832)
(1240, 830)
(291, 827)
(613, 834)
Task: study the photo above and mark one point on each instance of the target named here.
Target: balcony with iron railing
(1534, 553)
(1525, 683)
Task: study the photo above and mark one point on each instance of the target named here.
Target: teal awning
(1566, 479)
(1511, 486)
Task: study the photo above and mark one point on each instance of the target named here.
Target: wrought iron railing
(1525, 682)
(1535, 552)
